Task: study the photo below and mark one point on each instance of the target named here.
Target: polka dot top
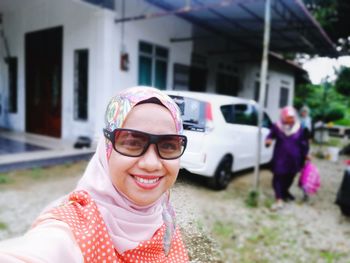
(85, 221)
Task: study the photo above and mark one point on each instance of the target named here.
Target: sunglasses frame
(153, 139)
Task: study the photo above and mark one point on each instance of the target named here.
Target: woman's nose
(150, 160)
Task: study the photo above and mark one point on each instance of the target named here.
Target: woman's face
(289, 120)
(144, 179)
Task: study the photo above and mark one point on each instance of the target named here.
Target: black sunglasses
(134, 143)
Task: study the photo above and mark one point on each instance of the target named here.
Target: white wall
(277, 77)
(88, 26)
(81, 28)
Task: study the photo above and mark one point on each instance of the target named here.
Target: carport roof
(241, 23)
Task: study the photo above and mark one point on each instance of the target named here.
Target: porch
(19, 150)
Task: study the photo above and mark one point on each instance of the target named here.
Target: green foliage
(342, 84)
(252, 199)
(334, 112)
(333, 15)
(343, 122)
(325, 102)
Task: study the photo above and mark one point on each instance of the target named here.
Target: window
(244, 114)
(192, 113)
(227, 81)
(266, 122)
(81, 62)
(257, 92)
(227, 84)
(181, 77)
(153, 65)
(12, 74)
(284, 97)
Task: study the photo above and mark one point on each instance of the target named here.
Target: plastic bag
(309, 178)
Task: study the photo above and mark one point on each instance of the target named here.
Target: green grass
(252, 199)
(224, 230)
(330, 256)
(36, 173)
(4, 179)
(3, 226)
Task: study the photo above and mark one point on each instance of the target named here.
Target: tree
(342, 84)
(333, 16)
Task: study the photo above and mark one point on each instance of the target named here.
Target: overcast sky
(319, 68)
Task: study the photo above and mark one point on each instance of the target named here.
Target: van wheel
(222, 174)
(345, 210)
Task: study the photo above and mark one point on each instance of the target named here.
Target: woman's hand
(268, 143)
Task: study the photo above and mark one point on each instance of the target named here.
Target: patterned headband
(121, 104)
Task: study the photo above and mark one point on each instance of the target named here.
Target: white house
(62, 60)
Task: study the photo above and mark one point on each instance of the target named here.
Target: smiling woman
(120, 208)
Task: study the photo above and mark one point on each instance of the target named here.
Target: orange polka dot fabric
(85, 221)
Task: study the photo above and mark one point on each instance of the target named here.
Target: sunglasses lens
(130, 143)
(171, 146)
(135, 143)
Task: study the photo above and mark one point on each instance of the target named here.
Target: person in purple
(290, 152)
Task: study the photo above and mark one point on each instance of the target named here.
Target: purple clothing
(290, 151)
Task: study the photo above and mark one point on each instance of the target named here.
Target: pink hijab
(127, 223)
(288, 111)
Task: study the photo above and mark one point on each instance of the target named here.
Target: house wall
(248, 72)
(81, 29)
(86, 26)
(157, 31)
(277, 77)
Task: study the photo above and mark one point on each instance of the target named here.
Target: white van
(222, 135)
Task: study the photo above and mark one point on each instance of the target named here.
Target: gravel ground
(217, 226)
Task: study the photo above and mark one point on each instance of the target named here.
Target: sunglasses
(134, 143)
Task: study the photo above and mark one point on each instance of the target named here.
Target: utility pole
(262, 91)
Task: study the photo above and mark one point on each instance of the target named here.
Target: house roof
(241, 22)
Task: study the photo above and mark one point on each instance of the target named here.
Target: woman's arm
(50, 241)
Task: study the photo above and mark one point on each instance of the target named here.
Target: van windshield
(192, 113)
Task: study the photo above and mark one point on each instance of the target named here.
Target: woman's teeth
(146, 181)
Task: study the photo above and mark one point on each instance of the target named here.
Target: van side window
(266, 123)
(244, 114)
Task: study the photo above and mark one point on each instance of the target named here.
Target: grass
(252, 199)
(4, 179)
(330, 256)
(3, 226)
(223, 230)
(36, 173)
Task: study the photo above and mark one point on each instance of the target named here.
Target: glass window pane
(12, 73)
(145, 48)
(160, 76)
(81, 62)
(145, 71)
(161, 52)
(284, 97)
(240, 114)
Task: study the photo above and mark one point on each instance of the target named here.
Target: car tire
(345, 210)
(222, 175)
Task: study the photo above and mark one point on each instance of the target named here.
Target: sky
(319, 68)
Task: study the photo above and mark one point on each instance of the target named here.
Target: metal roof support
(179, 11)
(262, 92)
(257, 17)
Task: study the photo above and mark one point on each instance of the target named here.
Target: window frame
(154, 56)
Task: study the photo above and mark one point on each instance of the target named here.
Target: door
(43, 67)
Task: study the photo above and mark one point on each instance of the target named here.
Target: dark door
(43, 81)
